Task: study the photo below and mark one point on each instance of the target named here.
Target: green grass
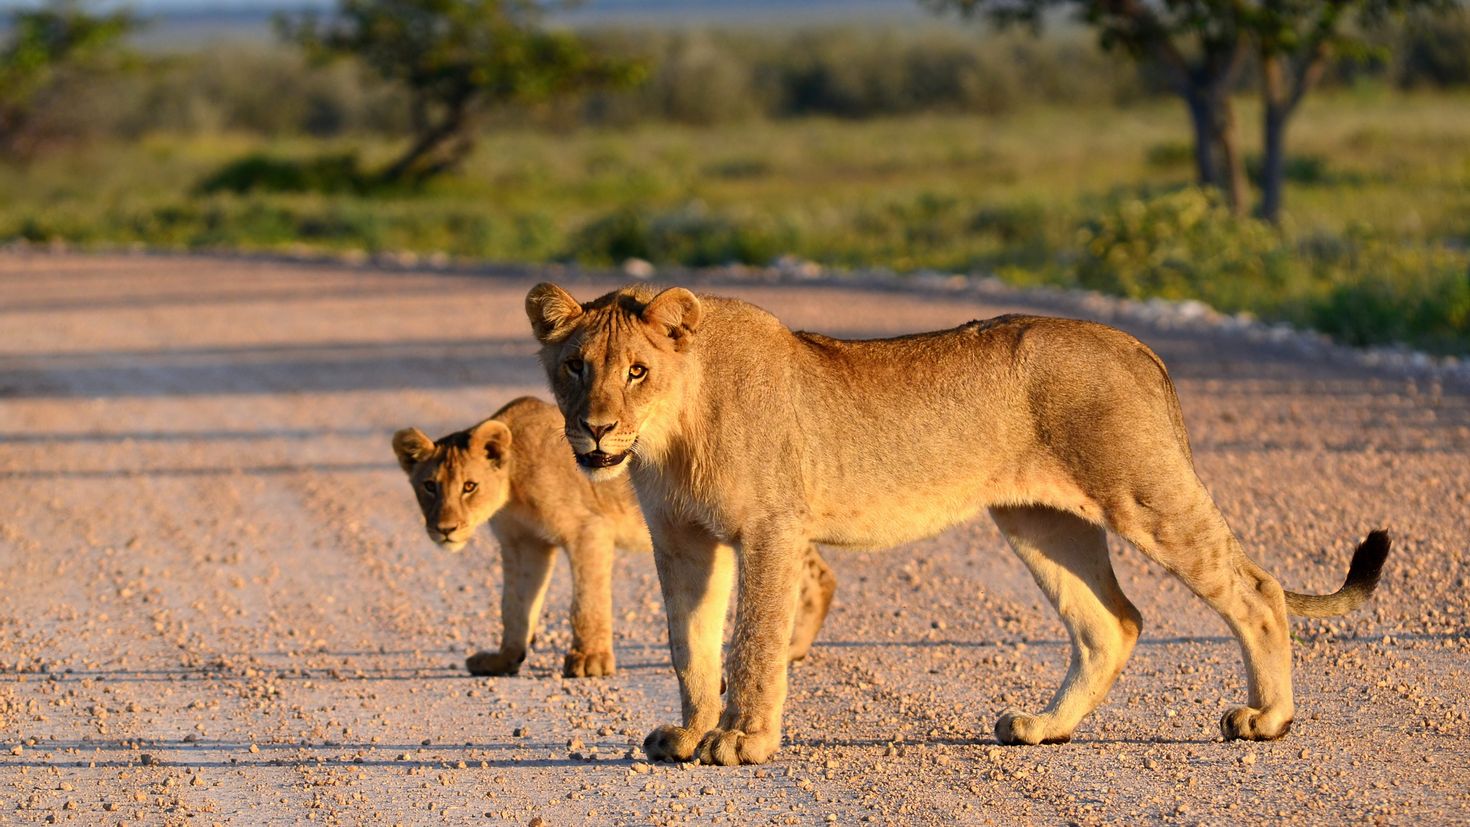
(1374, 247)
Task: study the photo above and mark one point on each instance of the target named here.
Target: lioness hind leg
(818, 584)
(1186, 533)
(1068, 556)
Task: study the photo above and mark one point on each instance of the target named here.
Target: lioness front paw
(733, 747)
(1014, 728)
(670, 743)
(589, 664)
(1246, 724)
(504, 662)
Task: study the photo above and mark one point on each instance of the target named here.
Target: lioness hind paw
(1243, 723)
(670, 743)
(589, 664)
(732, 747)
(489, 664)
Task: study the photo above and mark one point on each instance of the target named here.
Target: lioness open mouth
(601, 459)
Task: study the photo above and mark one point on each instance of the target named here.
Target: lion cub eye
(431, 486)
(637, 372)
(469, 487)
(574, 366)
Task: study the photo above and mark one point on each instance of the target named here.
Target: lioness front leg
(696, 575)
(526, 564)
(749, 731)
(591, 559)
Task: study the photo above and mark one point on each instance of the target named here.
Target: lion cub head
(460, 480)
(616, 366)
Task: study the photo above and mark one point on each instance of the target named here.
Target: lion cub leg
(1068, 556)
(1188, 535)
(818, 584)
(526, 564)
(591, 558)
(696, 575)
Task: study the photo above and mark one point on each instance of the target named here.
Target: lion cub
(516, 471)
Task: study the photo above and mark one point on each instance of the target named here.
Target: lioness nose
(598, 431)
(448, 528)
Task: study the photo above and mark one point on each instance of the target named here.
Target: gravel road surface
(217, 603)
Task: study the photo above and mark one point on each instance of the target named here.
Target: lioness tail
(1362, 578)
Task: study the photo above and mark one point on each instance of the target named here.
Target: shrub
(259, 172)
(690, 236)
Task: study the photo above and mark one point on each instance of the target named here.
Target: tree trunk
(1231, 175)
(1202, 120)
(441, 147)
(1273, 162)
(1277, 102)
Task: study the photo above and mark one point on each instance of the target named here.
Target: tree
(1201, 45)
(1199, 50)
(457, 59)
(42, 48)
(1295, 39)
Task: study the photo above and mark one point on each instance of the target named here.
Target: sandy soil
(217, 604)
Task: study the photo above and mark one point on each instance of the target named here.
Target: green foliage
(43, 48)
(1040, 196)
(1362, 289)
(259, 172)
(456, 59)
(691, 236)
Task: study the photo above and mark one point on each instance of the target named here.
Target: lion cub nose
(598, 431)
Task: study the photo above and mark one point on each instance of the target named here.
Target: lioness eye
(431, 486)
(573, 366)
(637, 372)
(469, 487)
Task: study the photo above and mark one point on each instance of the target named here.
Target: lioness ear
(412, 447)
(492, 439)
(675, 310)
(552, 312)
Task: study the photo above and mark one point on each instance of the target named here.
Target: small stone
(1248, 759)
(641, 768)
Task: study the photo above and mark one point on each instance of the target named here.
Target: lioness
(737, 430)
(515, 471)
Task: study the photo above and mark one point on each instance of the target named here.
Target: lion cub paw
(589, 664)
(732, 747)
(1246, 724)
(1015, 728)
(670, 743)
(504, 662)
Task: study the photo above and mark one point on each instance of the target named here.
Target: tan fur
(527, 486)
(737, 430)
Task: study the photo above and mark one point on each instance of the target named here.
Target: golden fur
(526, 485)
(736, 430)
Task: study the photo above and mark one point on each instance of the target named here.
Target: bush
(1359, 289)
(260, 172)
(1184, 244)
(690, 236)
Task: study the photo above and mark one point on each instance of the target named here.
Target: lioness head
(616, 365)
(460, 480)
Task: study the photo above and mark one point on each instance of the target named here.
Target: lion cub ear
(490, 439)
(552, 312)
(676, 311)
(412, 447)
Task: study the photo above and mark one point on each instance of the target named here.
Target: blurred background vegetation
(904, 142)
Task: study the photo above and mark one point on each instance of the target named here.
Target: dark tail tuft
(1362, 579)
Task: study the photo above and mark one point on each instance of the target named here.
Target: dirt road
(217, 603)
